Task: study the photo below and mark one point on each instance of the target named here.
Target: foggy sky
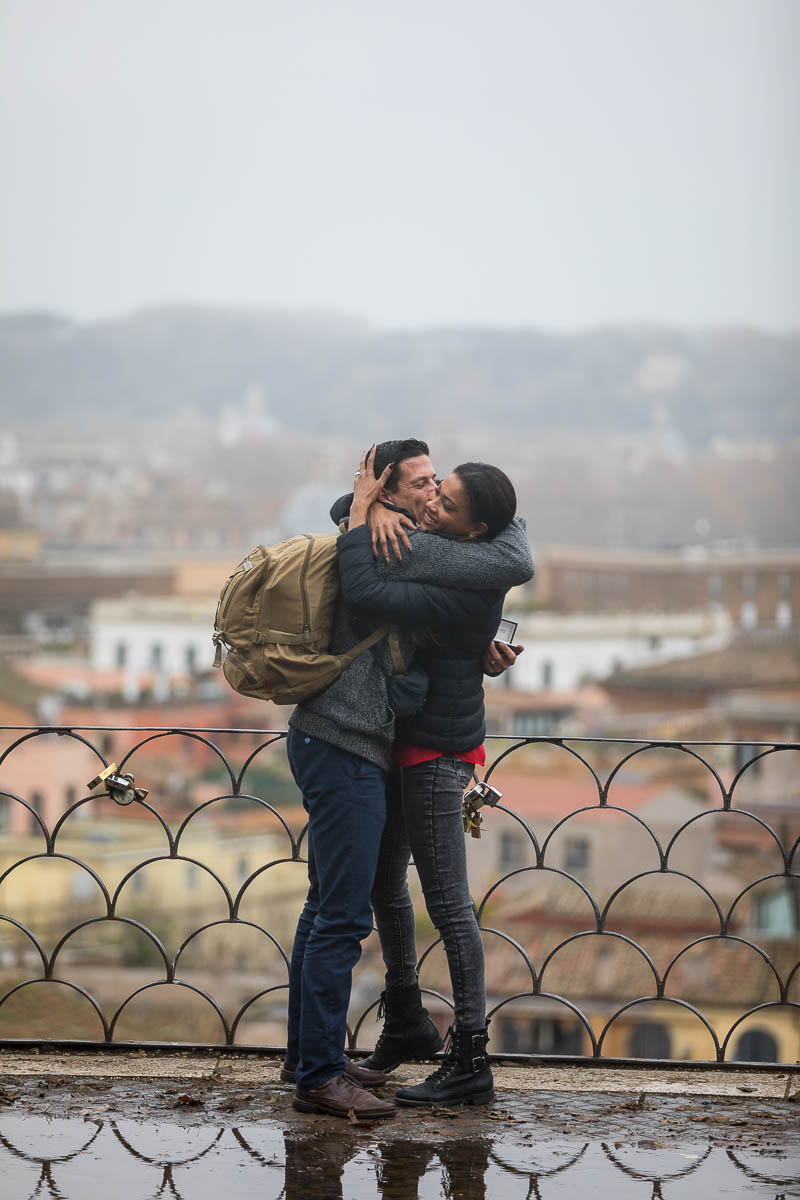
(558, 163)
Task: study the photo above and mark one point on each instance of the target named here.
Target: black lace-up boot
(463, 1078)
(408, 1032)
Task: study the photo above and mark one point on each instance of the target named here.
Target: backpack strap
(277, 637)
(365, 644)
(398, 662)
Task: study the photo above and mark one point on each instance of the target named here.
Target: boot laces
(382, 1039)
(450, 1064)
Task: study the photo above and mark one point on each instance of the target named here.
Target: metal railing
(274, 1165)
(638, 900)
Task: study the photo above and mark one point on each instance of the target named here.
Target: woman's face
(449, 511)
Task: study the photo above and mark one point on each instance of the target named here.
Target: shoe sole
(478, 1098)
(423, 1056)
(307, 1106)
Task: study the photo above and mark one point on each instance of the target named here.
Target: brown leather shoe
(339, 1097)
(359, 1075)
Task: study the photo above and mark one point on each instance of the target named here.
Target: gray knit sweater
(354, 713)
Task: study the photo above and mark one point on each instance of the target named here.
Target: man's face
(415, 487)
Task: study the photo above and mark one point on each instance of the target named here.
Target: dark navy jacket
(459, 624)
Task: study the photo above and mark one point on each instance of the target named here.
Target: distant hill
(325, 373)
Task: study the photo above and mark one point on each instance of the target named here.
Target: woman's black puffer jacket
(462, 620)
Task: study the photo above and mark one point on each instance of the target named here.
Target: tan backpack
(273, 622)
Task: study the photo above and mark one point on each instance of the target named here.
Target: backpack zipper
(304, 587)
(233, 584)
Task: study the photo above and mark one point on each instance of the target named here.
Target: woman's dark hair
(490, 493)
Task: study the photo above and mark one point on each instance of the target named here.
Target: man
(339, 748)
(409, 487)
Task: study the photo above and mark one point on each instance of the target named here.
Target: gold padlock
(121, 788)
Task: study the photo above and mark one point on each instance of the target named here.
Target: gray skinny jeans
(424, 819)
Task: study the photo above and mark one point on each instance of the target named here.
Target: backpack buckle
(220, 647)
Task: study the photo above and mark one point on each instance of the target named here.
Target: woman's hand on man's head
(366, 488)
(388, 530)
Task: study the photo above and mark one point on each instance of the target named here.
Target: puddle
(74, 1159)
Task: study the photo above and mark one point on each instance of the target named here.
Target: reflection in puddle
(70, 1159)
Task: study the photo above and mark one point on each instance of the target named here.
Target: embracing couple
(382, 758)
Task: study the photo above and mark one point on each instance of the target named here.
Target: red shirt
(405, 754)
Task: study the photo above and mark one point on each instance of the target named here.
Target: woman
(436, 750)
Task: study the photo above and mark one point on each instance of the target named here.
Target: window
(649, 1040)
(539, 1037)
(715, 587)
(776, 914)
(749, 615)
(190, 875)
(745, 753)
(191, 659)
(82, 886)
(749, 585)
(756, 1046)
(70, 795)
(576, 856)
(527, 724)
(37, 801)
(120, 654)
(511, 851)
(547, 673)
(156, 655)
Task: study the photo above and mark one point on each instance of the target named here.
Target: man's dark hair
(396, 452)
(491, 495)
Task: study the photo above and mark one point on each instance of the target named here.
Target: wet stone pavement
(191, 1127)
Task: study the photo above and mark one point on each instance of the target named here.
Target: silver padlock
(121, 788)
(482, 793)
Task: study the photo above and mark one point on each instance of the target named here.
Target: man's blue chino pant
(345, 798)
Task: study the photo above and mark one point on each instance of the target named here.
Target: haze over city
(535, 163)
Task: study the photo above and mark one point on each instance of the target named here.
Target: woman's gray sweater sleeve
(504, 562)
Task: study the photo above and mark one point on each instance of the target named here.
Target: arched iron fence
(638, 899)
(53, 1156)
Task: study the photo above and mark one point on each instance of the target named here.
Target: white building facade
(564, 652)
(158, 638)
